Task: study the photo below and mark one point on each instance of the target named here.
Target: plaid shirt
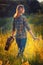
(20, 24)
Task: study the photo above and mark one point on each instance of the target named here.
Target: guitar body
(9, 42)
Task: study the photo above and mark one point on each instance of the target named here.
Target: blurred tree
(7, 8)
(34, 6)
(41, 4)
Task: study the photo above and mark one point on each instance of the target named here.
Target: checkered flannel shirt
(20, 24)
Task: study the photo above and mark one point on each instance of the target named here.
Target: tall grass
(33, 51)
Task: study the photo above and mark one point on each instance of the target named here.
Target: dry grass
(33, 50)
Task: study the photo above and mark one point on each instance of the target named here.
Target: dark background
(7, 7)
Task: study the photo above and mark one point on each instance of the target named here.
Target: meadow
(33, 51)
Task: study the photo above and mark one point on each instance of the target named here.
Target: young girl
(20, 25)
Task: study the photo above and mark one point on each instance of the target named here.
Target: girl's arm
(26, 24)
(34, 37)
(13, 29)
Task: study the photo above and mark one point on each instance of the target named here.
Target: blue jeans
(21, 45)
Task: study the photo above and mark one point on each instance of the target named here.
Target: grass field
(34, 48)
(33, 51)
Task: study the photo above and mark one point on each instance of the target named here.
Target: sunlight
(40, 0)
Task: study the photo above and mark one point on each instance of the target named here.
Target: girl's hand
(13, 36)
(35, 38)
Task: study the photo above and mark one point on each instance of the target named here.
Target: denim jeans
(21, 45)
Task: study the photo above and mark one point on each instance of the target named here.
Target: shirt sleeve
(26, 24)
(13, 25)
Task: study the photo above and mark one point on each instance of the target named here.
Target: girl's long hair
(17, 10)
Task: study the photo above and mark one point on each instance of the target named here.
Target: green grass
(34, 54)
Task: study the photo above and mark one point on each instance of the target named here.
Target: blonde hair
(17, 10)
